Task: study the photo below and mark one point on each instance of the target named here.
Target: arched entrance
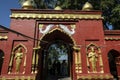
(113, 57)
(56, 55)
(1, 59)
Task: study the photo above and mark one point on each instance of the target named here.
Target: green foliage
(111, 12)
(115, 17)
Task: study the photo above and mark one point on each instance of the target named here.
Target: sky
(5, 6)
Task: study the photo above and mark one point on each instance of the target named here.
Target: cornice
(55, 14)
(112, 32)
(112, 38)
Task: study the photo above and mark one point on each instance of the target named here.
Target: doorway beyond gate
(56, 61)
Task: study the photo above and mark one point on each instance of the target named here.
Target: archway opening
(112, 57)
(56, 56)
(1, 59)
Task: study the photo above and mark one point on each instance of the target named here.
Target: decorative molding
(77, 58)
(61, 26)
(17, 78)
(96, 77)
(55, 16)
(20, 45)
(112, 32)
(48, 28)
(66, 29)
(77, 49)
(112, 39)
(35, 60)
(3, 37)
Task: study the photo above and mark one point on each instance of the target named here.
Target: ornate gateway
(58, 45)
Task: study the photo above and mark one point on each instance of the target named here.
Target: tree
(111, 12)
(110, 8)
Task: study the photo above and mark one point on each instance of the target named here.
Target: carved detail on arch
(57, 29)
(96, 47)
(64, 28)
(18, 46)
(92, 44)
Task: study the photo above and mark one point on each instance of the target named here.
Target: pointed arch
(92, 44)
(56, 34)
(114, 52)
(18, 46)
(56, 39)
(114, 61)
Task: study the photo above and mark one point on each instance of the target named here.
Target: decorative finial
(58, 6)
(87, 7)
(28, 4)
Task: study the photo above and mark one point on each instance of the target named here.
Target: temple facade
(58, 45)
